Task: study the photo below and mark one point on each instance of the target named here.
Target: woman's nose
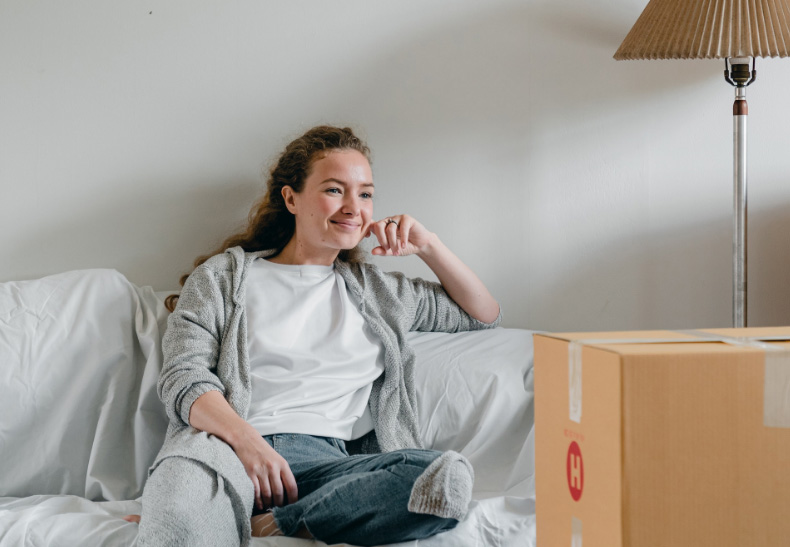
(351, 205)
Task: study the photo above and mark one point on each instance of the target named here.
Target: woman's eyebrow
(338, 181)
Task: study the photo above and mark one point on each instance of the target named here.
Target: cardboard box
(659, 438)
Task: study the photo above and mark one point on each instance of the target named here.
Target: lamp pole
(737, 72)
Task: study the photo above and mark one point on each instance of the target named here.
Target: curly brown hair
(270, 225)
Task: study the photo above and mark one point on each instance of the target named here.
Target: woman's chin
(349, 244)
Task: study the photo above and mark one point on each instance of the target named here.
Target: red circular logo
(575, 471)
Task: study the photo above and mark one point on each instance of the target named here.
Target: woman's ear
(289, 197)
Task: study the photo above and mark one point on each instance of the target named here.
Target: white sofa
(80, 420)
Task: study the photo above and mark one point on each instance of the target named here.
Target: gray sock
(444, 489)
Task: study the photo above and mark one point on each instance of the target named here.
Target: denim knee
(415, 456)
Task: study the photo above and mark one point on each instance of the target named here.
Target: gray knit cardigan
(205, 348)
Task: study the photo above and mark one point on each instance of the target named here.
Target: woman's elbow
(489, 314)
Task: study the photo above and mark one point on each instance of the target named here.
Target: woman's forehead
(348, 166)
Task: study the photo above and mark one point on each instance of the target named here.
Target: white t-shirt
(312, 357)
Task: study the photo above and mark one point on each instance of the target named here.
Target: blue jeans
(359, 499)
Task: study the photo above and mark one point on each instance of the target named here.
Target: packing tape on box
(576, 532)
(776, 389)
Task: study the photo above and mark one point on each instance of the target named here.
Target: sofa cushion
(80, 354)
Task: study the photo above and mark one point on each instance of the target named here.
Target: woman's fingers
(273, 485)
(378, 231)
(269, 472)
(405, 228)
(277, 487)
(392, 237)
(391, 231)
(290, 484)
(283, 484)
(399, 235)
(264, 497)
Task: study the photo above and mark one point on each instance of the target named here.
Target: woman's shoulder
(220, 263)
(223, 261)
(212, 271)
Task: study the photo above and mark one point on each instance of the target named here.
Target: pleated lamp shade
(709, 29)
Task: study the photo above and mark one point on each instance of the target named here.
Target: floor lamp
(737, 31)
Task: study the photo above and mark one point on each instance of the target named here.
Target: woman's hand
(402, 235)
(270, 474)
(399, 235)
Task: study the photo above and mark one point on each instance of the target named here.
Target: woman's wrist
(428, 250)
(240, 432)
(213, 414)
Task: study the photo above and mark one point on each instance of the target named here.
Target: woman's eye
(333, 190)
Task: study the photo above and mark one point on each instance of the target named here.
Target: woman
(284, 346)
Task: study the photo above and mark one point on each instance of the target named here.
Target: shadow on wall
(629, 283)
(769, 266)
(504, 73)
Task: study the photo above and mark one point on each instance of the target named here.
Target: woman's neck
(295, 252)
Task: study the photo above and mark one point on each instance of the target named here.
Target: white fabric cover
(475, 396)
(80, 420)
(80, 354)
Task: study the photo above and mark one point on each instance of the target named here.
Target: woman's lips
(347, 225)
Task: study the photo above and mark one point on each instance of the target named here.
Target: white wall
(589, 194)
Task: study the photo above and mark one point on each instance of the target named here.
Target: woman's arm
(190, 346)
(270, 474)
(194, 395)
(407, 236)
(460, 281)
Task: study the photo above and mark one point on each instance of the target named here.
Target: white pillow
(80, 354)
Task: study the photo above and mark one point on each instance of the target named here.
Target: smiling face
(334, 209)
